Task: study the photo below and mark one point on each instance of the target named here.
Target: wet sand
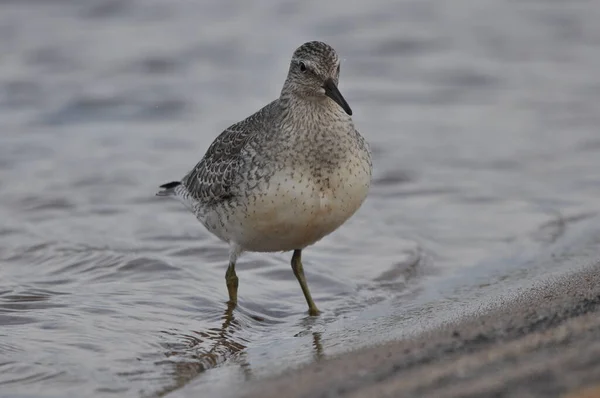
(543, 343)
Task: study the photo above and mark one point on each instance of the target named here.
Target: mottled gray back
(215, 176)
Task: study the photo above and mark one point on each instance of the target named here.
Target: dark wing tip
(168, 188)
(171, 185)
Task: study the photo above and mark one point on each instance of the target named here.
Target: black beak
(332, 92)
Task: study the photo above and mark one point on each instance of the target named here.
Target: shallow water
(484, 126)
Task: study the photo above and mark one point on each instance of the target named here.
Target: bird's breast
(296, 207)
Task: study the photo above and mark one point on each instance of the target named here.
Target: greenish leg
(299, 272)
(232, 283)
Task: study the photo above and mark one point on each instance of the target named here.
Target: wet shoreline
(545, 342)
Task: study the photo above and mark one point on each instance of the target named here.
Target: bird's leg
(299, 272)
(232, 283)
(230, 276)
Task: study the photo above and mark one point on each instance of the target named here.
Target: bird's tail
(168, 188)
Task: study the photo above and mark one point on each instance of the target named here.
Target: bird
(286, 176)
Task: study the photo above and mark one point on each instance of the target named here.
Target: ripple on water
(143, 105)
(20, 94)
(52, 59)
(157, 65)
(106, 9)
(87, 263)
(197, 248)
(40, 204)
(145, 264)
(405, 46)
(23, 375)
(12, 320)
(394, 177)
(18, 306)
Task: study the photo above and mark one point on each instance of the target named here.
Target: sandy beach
(545, 343)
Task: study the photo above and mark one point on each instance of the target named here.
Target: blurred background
(482, 116)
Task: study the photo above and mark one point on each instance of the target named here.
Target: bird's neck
(314, 109)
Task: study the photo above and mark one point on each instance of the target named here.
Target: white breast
(293, 212)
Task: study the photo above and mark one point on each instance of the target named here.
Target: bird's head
(314, 74)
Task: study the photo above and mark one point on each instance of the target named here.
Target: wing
(217, 176)
(212, 179)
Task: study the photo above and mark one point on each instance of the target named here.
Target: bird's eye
(302, 67)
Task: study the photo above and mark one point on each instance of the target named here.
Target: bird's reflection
(317, 346)
(220, 347)
(308, 324)
(205, 350)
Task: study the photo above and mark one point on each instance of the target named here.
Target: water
(484, 124)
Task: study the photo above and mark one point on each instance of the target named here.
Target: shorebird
(286, 176)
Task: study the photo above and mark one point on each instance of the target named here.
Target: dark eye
(302, 67)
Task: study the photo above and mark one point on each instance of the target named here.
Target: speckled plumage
(288, 175)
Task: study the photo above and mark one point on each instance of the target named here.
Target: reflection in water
(319, 354)
(222, 346)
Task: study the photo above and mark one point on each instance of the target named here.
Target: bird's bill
(332, 92)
